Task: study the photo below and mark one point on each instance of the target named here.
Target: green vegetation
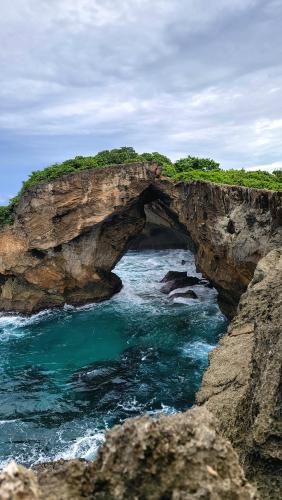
(194, 163)
(258, 179)
(184, 169)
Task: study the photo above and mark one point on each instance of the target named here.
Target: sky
(180, 77)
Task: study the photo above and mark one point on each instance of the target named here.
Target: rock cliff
(243, 384)
(232, 228)
(69, 234)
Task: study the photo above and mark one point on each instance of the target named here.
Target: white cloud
(276, 165)
(179, 77)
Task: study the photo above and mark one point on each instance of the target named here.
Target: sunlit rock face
(69, 234)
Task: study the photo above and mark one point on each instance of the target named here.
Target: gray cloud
(179, 77)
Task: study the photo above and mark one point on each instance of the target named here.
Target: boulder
(177, 457)
(174, 275)
(179, 283)
(177, 279)
(18, 483)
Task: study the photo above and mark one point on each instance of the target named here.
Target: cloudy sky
(180, 77)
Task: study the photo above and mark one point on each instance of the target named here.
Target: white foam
(197, 350)
(83, 447)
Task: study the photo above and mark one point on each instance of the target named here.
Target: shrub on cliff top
(186, 169)
(193, 163)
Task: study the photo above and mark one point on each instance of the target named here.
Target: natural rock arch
(69, 234)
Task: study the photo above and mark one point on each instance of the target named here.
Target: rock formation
(69, 234)
(177, 457)
(243, 384)
(66, 239)
(18, 483)
(232, 229)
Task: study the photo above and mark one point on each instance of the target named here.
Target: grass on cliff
(184, 169)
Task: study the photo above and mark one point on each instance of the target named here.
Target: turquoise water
(66, 376)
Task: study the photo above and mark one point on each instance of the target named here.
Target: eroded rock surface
(69, 234)
(178, 457)
(243, 384)
(232, 228)
(18, 483)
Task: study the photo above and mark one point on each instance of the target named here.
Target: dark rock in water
(180, 283)
(97, 373)
(183, 262)
(119, 381)
(174, 275)
(185, 295)
(102, 383)
(207, 284)
(104, 380)
(179, 279)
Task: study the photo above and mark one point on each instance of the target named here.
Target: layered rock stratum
(69, 234)
(66, 239)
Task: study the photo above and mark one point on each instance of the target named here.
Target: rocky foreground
(178, 457)
(66, 239)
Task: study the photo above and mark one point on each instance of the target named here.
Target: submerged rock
(102, 384)
(184, 295)
(97, 373)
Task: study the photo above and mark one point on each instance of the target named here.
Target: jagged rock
(179, 282)
(185, 295)
(18, 483)
(180, 457)
(65, 480)
(174, 275)
(243, 384)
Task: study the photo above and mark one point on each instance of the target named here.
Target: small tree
(116, 156)
(195, 163)
(162, 160)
